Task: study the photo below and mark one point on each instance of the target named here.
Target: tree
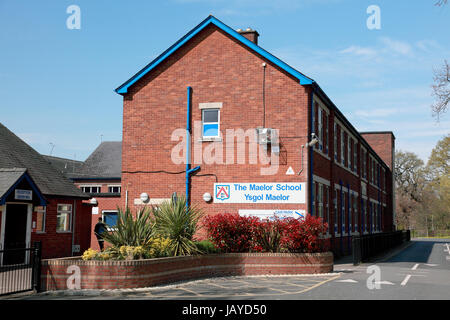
(441, 3)
(441, 90)
(410, 182)
(438, 173)
(409, 174)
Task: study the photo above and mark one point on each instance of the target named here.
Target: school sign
(279, 192)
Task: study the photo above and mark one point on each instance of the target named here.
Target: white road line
(448, 248)
(415, 266)
(405, 280)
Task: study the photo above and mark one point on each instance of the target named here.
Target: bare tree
(441, 2)
(441, 90)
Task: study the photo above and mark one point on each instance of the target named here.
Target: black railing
(20, 269)
(371, 245)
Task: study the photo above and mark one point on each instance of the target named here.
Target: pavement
(418, 270)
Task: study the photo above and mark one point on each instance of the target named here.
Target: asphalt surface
(420, 270)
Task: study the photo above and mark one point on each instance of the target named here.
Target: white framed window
(342, 147)
(114, 189)
(336, 213)
(355, 212)
(211, 123)
(320, 201)
(91, 188)
(109, 217)
(63, 218)
(343, 213)
(349, 152)
(320, 128)
(335, 148)
(327, 206)
(40, 218)
(355, 157)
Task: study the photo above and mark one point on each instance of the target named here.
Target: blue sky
(57, 85)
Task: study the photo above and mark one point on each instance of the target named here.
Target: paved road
(419, 271)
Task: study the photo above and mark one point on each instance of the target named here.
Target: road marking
(384, 282)
(405, 280)
(431, 264)
(448, 248)
(415, 266)
(347, 280)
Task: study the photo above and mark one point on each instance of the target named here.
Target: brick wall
(59, 244)
(146, 273)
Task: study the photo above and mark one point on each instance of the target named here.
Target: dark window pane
(210, 115)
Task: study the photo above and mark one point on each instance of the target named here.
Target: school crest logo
(223, 192)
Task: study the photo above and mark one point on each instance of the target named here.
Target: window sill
(211, 139)
(63, 231)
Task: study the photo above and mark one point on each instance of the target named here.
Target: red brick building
(37, 203)
(219, 85)
(100, 178)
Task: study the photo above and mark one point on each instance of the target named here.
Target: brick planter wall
(57, 273)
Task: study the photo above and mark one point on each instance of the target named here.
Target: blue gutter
(189, 171)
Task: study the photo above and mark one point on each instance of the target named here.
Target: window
(320, 200)
(336, 213)
(326, 133)
(327, 207)
(355, 157)
(63, 217)
(355, 212)
(314, 198)
(342, 147)
(91, 189)
(40, 218)
(210, 123)
(110, 218)
(349, 154)
(335, 142)
(320, 128)
(114, 189)
(343, 215)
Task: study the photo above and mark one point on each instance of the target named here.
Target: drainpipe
(189, 171)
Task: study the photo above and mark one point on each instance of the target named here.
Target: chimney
(250, 34)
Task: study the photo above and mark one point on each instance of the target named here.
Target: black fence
(20, 269)
(371, 245)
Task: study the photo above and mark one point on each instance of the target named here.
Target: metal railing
(20, 269)
(371, 245)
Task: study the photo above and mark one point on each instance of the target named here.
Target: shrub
(178, 222)
(269, 234)
(232, 233)
(155, 248)
(304, 236)
(206, 246)
(130, 231)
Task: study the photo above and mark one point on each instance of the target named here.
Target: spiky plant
(129, 230)
(178, 222)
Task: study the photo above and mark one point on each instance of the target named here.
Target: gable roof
(303, 80)
(105, 162)
(14, 153)
(10, 178)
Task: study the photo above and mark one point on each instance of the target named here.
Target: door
(15, 233)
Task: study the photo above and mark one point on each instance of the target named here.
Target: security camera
(313, 141)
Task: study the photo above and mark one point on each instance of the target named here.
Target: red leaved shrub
(304, 235)
(233, 233)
